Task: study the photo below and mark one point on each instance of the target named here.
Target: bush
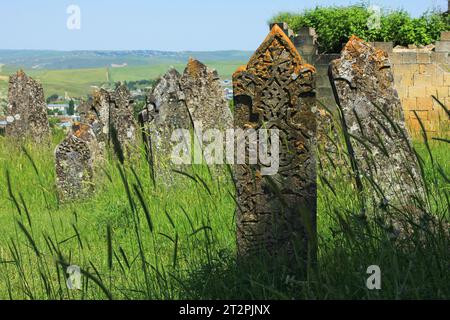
(335, 25)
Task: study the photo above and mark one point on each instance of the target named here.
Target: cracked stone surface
(364, 88)
(275, 90)
(205, 96)
(166, 112)
(113, 110)
(27, 111)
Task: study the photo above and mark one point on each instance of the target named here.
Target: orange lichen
(355, 45)
(250, 126)
(239, 70)
(308, 68)
(278, 33)
(300, 146)
(194, 68)
(380, 55)
(20, 73)
(80, 130)
(355, 38)
(98, 96)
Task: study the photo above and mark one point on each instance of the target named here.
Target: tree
(52, 98)
(71, 110)
(335, 25)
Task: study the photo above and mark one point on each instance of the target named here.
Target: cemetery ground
(137, 238)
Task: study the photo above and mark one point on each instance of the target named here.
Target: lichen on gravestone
(277, 214)
(384, 160)
(166, 111)
(100, 114)
(205, 96)
(26, 111)
(122, 120)
(111, 116)
(75, 159)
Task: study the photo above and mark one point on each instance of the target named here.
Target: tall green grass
(136, 238)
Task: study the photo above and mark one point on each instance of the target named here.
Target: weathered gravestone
(328, 147)
(84, 110)
(88, 115)
(166, 111)
(75, 158)
(205, 97)
(277, 214)
(89, 112)
(122, 119)
(373, 116)
(98, 115)
(27, 111)
(111, 117)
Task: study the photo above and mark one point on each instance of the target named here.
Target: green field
(79, 82)
(135, 239)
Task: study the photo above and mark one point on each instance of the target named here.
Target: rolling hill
(78, 72)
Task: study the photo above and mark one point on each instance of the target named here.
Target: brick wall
(418, 74)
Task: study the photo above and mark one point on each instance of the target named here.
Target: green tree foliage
(139, 84)
(71, 109)
(335, 25)
(52, 98)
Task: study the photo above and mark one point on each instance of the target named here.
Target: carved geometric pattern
(277, 214)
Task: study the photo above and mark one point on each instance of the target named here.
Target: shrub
(335, 25)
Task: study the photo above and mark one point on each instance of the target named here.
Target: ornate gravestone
(373, 116)
(205, 96)
(27, 111)
(327, 130)
(75, 158)
(277, 214)
(166, 112)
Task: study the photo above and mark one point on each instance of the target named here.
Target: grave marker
(275, 90)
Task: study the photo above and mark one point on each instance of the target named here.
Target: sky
(169, 25)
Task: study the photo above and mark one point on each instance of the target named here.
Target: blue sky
(156, 24)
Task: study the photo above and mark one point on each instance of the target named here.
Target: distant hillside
(56, 60)
(77, 73)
